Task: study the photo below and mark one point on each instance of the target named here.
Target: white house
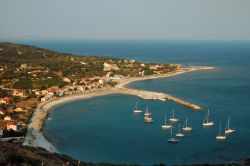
(7, 118)
(1, 112)
(65, 79)
(110, 66)
(11, 126)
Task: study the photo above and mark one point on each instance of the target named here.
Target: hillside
(13, 56)
(15, 154)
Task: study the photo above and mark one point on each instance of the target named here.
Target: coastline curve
(34, 136)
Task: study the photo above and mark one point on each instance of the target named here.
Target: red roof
(10, 123)
(2, 112)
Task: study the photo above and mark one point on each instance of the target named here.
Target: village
(19, 100)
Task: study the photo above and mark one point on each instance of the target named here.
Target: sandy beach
(34, 136)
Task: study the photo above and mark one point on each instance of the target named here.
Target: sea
(105, 129)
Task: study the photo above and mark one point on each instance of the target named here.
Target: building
(18, 109)
(7, 118)
(19, 93)
(109, 66)
(2, 112)
(155, 67)
(53, 89)
(65, 79)
(24, 66)
(5, 100)
(11, 126)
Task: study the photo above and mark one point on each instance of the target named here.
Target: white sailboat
(228, 130)
(206, 122)
(147, 113)
(165, 126)
(179, 134)
(136, 110)
(173, 119)
(185, 126)
(172, 139)
(220, 137)
(148, 117)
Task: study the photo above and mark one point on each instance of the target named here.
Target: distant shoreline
(34, 136)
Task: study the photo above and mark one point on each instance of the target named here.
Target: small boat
(165, 126)
(136, 110)
(206, 122)
(173, 119)
(179, 134)
(148, 116)
(147, 113)
(228, 130)
(220, 137)
(172, 139)
(185, 126)
(162, 99)
(148, 119)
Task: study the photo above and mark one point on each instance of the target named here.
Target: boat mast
(136, 105)
(207, 115)
(220, 130)
(179, 128)
(228, 122)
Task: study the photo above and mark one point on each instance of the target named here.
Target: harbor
(34, 136)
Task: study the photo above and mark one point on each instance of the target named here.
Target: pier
(148, 95)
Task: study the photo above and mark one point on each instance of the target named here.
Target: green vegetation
(3, 93)
(46, 83)
(27, 67)
(23, 84)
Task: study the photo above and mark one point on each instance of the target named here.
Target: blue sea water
(104, 129)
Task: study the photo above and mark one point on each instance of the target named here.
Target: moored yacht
(220, 136)
(147, 113)
(228, 130)
(179, 134)
(172, 139)
(206, 122)
(173, 119)
(148, 117)
(186, 127)
(165, 126)
(136, 110)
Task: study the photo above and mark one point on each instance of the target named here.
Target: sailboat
(228, 130)
(165, 126)
(148, 117)
(173, 119)
(220, 137)
(172, 139)
(136, 110)
(206, 122)
(179, 134)
(185, 126)
(147, 113)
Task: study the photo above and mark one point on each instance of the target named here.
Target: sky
(125, 19)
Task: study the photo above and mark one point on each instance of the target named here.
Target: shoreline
(34, 136)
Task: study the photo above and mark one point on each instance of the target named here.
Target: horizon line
(112, 39)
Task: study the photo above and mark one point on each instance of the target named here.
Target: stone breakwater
(34, 136)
